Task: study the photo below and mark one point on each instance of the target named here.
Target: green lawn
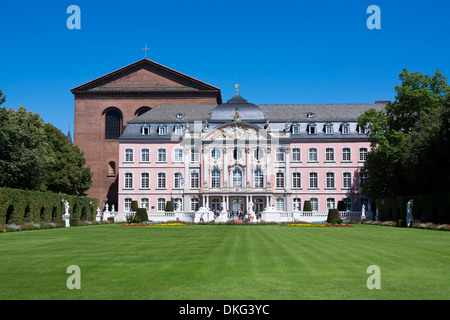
(205, 262)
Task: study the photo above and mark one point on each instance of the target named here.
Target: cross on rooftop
(145, 50)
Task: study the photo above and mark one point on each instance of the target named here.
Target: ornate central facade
(233, 154)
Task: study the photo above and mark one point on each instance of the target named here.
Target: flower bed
(30, 226)
(146, 224)
(316, 225)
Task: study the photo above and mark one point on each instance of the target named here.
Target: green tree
(25, 156)
(68, 173)
(393, 130)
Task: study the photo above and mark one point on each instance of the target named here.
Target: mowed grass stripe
(225, 262)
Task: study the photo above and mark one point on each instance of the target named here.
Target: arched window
(237, 178)
(113, 124)
(259, 178)
(141, 111)
(215, 178)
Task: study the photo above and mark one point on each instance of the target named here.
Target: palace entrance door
(237, 204)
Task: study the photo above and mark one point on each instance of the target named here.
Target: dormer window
(178, 130)
(361, 130)
(296, 129)
(345, 128)
(145, 130)
(162, 130)
(329, 128)
(179, 115)
(310, 115)
(312, 128)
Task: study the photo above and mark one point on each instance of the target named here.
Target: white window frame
(258, 178)
(128, 155)
(147, 205)
(296, 180)
(311, 152)
(162, 155)
(313, 182)
(162, 130)
(195, 180)
(147, 186)
(363, 151)
(296, 154)
(331, 203)
(147, 150)
(330, 180)
(178, 155)
(216, 178)
(344, 153)
(161, 180)
(128, 180)
(279, 154)
(346, 180)
(161, 204)
(279, 203)
(314, 204)
(329, 154)
(127, 204)
(195, 204)
(279, 180)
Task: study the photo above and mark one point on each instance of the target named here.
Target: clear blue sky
(278, 51)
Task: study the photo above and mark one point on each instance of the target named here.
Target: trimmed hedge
(334, 217)
(426, 208)
(141, 213)
(307, 205)
(22, 206)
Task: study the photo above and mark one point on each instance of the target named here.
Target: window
(145, 155)
(194, 204)
(296, 155)
(297, 204)
(215, 204)
(178, 155)
(145, 130)
(330, 180)
(237, 154)
(313, 180)
(215, 154)
(312, 128)
(279, 154)
(145, 180)
(346, 180)
(362, 154)
(329, 154)
(328, 128)
(361, 130)
(314, 204)
(366, 203)
(178, 130)
(162, 157)
(295, 129)
(279, 180)
(176, 180)
(237, 178)
(258, 153)
(312, 155)
(195, 155)
(161, 180)
(259, 205)
(194, 180)
(280, 204)
(345, 128)
(346, 154)
(348, 204)
(128, 181)
(259, 178)
(113, 124)
(162, 130)
(363, 176)
(178, 204)
(128, 155)
(111, 168)
(331, 203)
(161, 204)
(127, 204)
(215, 178)
(296, 180)
(145, 204)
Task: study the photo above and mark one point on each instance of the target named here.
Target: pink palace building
(238, 156)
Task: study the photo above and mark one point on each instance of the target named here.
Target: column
(249, 167)
(205, 166)
(225, 169)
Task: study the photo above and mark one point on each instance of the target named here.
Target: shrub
(307, 206)
(169, 206)
(73, 222)
(141, 213)
(333, 216)
(134, 206)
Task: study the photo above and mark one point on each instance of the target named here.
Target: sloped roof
(190, 84)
